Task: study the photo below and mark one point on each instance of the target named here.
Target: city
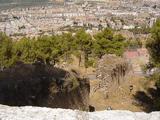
(31, 21)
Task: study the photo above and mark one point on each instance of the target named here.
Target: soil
(121, 98)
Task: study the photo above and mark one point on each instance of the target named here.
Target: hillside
(41, 85)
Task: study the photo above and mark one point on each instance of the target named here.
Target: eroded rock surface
(37, 113)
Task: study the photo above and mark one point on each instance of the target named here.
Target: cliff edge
(37, 113)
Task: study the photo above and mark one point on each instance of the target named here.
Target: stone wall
(112, 71)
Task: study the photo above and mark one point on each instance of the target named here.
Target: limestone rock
(39, 113)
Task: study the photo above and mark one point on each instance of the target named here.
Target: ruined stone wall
(112, 71)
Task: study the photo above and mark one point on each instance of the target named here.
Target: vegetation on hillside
(153, 46)
(134, 44)
(49, 49)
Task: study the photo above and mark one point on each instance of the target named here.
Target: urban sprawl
(93, 15)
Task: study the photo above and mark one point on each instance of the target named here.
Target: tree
(24, 50)
(153, 44)
(134, 44)
(48, 49)
(100, 46)
(6, 51)
(84, 44)
(107, 42)
(67, 44)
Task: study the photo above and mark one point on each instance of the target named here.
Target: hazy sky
(5, 4)
(21, 1)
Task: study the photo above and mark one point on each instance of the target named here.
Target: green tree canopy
(24, 50)
(84, 44)
(6, 50)
(107, 42)
(50, 49)
(153, 44)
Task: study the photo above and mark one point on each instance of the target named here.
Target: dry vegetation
(121, 98)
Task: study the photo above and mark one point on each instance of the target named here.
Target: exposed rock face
(37, 113)
(111, 71)
(41, 85)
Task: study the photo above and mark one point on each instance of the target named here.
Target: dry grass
(121, 98)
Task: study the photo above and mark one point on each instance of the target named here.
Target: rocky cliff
(45, 86)
(37, 113)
